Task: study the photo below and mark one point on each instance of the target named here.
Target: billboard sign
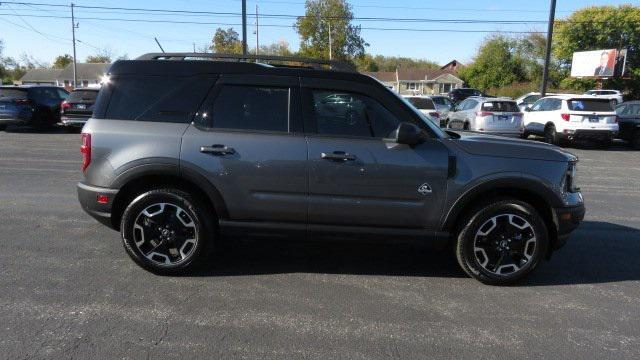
(597, 63)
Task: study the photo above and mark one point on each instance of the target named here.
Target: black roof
(173, 64)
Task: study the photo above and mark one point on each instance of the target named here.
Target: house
(89, 75)
(419, 81)
(40, 77)
(453, 65)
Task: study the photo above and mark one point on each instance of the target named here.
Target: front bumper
(566, 220)
(88, 197)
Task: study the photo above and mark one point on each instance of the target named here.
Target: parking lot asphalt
(68, 290)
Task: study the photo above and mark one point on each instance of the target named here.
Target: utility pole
(73, 36)
(194, 48)
(330, 52)
(547, 57)
(244, 27)
(257, 38)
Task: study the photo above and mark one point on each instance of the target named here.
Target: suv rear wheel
(635, 140)
(502, 242)
(167, 231)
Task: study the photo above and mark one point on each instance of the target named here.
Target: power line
(274, 25)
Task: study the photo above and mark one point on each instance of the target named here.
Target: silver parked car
(498, 116)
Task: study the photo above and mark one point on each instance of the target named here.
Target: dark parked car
(181, 154)
(37, 106)
(629, 122)
(457, 95)
(77, 109)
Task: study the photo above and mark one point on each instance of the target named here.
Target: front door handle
(217, 149)
(338, 156)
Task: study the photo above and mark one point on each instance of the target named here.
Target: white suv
(572, 117)
(607, 94)
(496, 116)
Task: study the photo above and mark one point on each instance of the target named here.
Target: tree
(62, 61)
(313, 28)
(103, 56)
(226, 42)
(602, 27)
(496, 64)
(280, 48)
(391, 63)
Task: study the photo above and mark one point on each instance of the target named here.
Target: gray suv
(181, 153)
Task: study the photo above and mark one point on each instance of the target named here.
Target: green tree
(280, 48)
(391, 63)
(62, 61)
(497, 64)
(226, 42)
(366, 62)
(601, 27)
(103, 56)
(313, 28)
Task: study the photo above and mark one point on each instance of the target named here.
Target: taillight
(85, 150)
(64, 106)
(435, 114)
(484, 113)
(565, 117)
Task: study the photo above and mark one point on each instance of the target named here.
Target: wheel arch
(527, 190)
(145, 177)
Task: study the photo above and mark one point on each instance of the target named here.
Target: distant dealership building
(89, 75)
(421, 81)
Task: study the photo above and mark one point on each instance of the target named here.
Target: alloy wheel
(165, 234)
(505, 244)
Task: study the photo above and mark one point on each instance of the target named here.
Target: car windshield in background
(86, 95)
(500, 106)
(590, 105)
(631, 109)
(422, 103)
(6, 94)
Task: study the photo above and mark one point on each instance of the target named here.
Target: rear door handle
(217, 149)
(338, 156)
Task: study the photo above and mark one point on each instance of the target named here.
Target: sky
(45, 32)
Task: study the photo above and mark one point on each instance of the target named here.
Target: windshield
(590, 105)
(421, 103)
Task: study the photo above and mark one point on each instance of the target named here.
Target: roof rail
(283, 61)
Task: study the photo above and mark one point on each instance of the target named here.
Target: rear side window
(422, 103)
(251, 108)
(500, 106)
(13, 94)
(590, 105)
(82, 95)
(157, 99)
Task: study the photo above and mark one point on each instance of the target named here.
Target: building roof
(410, 74)
(40, 75)
(85, 71)
(452, 64)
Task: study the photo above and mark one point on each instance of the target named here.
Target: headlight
(570, 178)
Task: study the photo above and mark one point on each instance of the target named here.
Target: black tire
(635, 140)
(477, 263)
(3, 127)
(465, 126)
(197, 215)
(524, 135)
(551, 135)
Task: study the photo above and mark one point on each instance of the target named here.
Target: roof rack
(281, 61)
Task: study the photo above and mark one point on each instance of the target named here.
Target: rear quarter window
(152, 98)
(590, 105)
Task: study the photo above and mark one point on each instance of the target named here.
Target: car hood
(486, 145)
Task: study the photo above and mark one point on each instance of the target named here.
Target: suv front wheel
(502, 242)
(167, 231)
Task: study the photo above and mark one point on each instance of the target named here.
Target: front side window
(539, 105)
(530, 99)
(249, 107)
(361, 116)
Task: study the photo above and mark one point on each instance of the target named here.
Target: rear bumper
(567, 220)
(73, 121)
(581, 135)
(88, 198)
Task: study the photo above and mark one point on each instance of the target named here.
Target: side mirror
(406, 133)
